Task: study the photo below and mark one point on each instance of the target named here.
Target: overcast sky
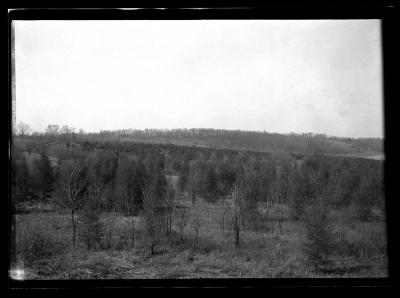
(278, 76)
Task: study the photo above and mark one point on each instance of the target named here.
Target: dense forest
(89, 175)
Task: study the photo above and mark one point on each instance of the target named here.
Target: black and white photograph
(197, 149)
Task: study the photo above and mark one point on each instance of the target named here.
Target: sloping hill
(306, 143)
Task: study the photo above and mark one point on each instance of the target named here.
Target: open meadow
(44, 247)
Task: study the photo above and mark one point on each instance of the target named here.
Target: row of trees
(54, 131)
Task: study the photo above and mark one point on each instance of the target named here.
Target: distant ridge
(305, 143)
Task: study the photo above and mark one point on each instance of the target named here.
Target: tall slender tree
(70, 191)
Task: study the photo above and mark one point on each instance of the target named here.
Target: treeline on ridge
(306, 143)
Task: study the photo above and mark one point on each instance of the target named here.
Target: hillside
(194, 234)
(253, 141)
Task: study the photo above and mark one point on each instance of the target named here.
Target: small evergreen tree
(45, 176)
(92, 228)
(168, 205)
(304, 192)
(226, 176)
(211, 185)
(367, 195)
(319, 244)
(183, 173)
(22, 181)
(139, 178)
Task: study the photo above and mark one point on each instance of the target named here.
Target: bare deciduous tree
(96, 191)
(70, 192)
(23, 129)
(109, 230)
(81, 133)
(237, 209)
(195, 220)
(131, 229)
(52, 130)
(151, 215)
(194, 177)
(168, 205)
(223, 217)
(182, 222)
(117, 151)
(65, 132)
(92, 228)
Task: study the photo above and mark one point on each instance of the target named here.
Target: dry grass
(360, 250)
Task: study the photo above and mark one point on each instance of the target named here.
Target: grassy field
(45, 250)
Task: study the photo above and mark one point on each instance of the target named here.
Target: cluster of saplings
(131, 179)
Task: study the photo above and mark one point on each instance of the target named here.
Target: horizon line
(208, 128)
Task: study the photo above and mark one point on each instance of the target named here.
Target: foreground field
(45, 250)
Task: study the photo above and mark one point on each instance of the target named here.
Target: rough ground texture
(264, 252)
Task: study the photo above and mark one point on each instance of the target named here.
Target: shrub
(100, 264)
(183, 219)
(361, 241)
(35, 242)
(109, 231)
(253, 219)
